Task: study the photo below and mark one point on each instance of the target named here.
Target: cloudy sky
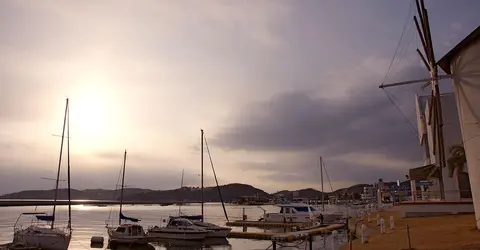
(274, 84)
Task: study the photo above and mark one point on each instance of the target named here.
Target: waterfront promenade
(426, 233)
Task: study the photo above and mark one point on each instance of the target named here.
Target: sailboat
(214, 231)
(47, 236)
(127, 233)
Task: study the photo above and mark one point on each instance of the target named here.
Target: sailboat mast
(321, 179)
(123, 183)
(59, 165)
(181, 186)
(201, 166)
(68, 169)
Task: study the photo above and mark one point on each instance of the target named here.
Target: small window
(120, 230)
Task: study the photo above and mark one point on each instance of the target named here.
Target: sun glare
(89, 117)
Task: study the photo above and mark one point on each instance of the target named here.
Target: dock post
(363, 234)
(334, 240)
(392, 223)
(378, 219)
(310, 242)
(274, 245)
(409, 244)
(369, 218)
(382, 226)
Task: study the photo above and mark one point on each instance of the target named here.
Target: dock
(286, 237)
(267, 225)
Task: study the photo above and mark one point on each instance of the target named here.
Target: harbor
(231, 125)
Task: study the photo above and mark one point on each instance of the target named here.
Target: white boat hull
(177, 235)
(47, 239)
(213, 231)
(299, 218)
(218, 233)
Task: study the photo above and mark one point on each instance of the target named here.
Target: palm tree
(456, 159)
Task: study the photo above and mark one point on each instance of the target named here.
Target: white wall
(466, 80)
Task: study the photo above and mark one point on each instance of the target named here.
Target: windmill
(435, 113)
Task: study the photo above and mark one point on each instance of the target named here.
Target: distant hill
(230, 192)
(87, 194)
(308, 192)
(353, 189)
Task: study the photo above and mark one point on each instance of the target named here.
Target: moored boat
(178, 228)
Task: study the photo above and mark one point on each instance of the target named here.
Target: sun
(89, 117)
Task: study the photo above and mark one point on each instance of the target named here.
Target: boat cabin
(179, 222)
(130, 229)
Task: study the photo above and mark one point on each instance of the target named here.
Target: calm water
(88, 221)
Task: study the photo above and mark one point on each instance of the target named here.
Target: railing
(429, 195)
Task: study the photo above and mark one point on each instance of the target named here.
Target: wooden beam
(441, 77)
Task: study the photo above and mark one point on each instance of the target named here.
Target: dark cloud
(365, 121)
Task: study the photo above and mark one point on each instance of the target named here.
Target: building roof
(444, 63)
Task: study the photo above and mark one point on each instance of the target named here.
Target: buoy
(96, 240)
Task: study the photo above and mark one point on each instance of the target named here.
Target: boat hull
(218, 233)
(49, 240)
(299, 218)
(177, 235)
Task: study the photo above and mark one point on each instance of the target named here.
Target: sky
(274, 84)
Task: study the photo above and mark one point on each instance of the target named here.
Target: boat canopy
(123, 217)
(45, 217)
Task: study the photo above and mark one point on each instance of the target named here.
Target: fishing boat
(180, 229)
(42, 233)
(126, 233)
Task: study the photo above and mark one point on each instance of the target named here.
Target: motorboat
(300, 213)
(128, 234)
(41, 235)
(214, 231)
(179, 228)
(45, 235)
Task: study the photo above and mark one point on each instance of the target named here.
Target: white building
(369, 193)
(463, 63)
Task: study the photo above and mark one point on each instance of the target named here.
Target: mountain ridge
(229, 192)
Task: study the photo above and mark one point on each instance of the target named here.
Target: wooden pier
(286, 237)
(267, 225)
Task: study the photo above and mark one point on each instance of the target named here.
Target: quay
(442, 232)
(44, 202)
